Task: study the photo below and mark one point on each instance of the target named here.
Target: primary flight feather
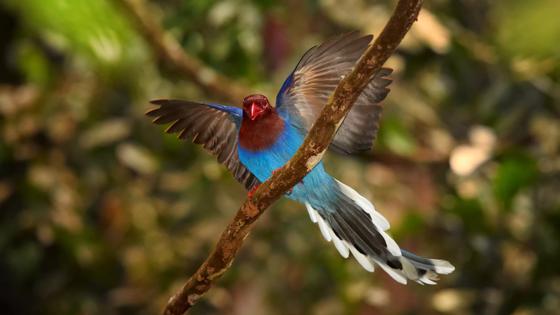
(254, 141)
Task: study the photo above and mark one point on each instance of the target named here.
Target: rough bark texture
(308, 155)
(168, 50)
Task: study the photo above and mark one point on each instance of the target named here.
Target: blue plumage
(316, 188)
(283, 89)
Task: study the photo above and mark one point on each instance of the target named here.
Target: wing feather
(213, 127)
(307, 89)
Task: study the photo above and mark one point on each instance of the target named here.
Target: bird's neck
(262, 133)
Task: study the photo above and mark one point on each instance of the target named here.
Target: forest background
(103, 213)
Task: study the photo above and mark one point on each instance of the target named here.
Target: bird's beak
(255, 111)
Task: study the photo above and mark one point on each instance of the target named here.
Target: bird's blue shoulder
(287, 111)
(235, 113)
(285, 86)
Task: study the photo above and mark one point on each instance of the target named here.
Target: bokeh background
(103, 213)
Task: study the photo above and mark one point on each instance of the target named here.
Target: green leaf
(93, 29)
(396, 137)
(513, 174)
(528, 28)
(471, 213)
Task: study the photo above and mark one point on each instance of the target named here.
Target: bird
(256, 139)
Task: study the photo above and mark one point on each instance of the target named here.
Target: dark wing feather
(315, 78)
(212, 126)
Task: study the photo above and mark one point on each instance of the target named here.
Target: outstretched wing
(213, 126)
(307, 88)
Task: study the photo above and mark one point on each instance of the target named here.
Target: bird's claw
(252, 191)
(275, 171)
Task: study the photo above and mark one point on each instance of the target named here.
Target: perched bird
(257, 139)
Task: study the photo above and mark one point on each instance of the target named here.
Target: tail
(354, 226)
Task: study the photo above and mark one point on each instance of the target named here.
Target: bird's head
(256, 106)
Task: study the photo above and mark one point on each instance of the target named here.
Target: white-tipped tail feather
(354, 226)
(377, 218)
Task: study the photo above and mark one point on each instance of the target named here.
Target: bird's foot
(252, 191)
(276, 171)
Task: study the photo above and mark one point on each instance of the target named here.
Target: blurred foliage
(101, 213)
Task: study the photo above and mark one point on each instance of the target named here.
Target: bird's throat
(262, 133)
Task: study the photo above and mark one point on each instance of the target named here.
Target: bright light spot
(465, 159)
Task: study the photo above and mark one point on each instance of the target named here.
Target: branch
(167, 49)
(307, 156)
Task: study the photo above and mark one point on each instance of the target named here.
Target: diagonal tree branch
(168, 50)
(307, 156)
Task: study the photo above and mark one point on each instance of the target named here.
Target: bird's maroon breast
(256, 135)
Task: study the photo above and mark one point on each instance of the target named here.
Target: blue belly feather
(317, 187)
